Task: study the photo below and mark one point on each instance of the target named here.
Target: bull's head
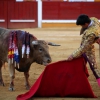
(41, 52)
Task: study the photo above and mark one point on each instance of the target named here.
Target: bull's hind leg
(1, 79)
(12, 76)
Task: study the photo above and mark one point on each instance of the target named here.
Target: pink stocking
(98, 80)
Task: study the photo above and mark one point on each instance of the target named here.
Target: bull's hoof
(11, 89)
(2, 83)
(27, 87)
(11, 86)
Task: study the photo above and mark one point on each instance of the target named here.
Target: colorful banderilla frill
(13, 52)
(26, 44)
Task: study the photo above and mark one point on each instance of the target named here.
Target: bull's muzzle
(49, 60)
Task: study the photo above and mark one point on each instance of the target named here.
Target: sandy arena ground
(69, 39)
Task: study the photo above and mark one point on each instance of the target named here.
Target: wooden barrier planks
(69, 10)
(22, 14)
(3, 14)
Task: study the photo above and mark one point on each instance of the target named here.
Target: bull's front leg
(12, 76)
(27, 85)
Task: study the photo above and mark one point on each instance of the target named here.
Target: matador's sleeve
(85, 46)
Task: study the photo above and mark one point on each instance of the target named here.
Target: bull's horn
(35, 42)
(53, 44)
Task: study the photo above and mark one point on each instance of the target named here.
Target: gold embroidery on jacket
(89, 37)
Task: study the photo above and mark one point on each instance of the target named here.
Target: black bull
(39, 53)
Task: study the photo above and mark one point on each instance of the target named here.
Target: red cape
(62, 79)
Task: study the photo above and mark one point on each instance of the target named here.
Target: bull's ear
(35, 42)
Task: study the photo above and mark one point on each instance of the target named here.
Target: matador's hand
(70, 58)
(98, 40)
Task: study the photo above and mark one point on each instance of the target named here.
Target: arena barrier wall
(63, 14)
(18, 14)
(45, 13)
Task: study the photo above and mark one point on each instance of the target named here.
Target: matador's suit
(90, 35)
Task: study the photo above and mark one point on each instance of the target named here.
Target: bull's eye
(40, 49)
